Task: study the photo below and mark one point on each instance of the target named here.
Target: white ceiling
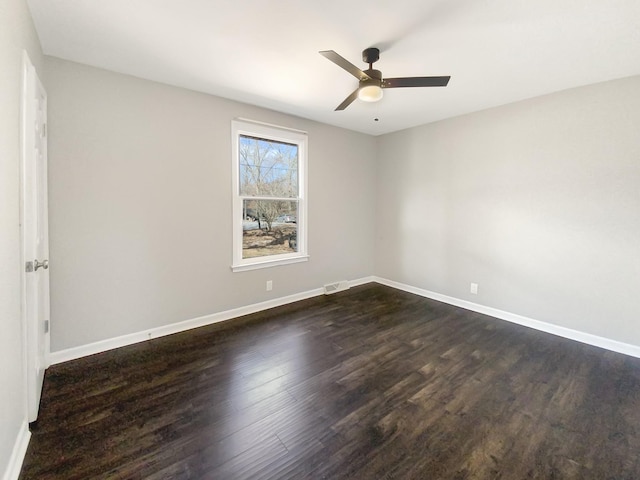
(265, 52)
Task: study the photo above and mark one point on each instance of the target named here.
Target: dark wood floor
(371, 383)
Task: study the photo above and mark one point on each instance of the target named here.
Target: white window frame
(278, 134)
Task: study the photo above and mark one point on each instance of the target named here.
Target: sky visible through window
(268, 168)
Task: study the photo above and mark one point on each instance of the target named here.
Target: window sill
(268, 263)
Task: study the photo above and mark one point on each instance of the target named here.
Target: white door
(35, 234)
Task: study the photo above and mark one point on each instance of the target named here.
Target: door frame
(36, 354)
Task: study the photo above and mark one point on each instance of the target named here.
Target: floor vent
(336, 287)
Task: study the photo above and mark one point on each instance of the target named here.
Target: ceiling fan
(371, 81)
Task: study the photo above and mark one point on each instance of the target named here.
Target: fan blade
(415, 82)
(346, 64)
(348, 100)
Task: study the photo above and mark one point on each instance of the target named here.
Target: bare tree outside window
(269, 195)
(268, 175)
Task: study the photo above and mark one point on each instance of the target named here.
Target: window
(269, 190)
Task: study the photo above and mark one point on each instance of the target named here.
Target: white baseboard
(17, 454)
(124, 340)
(362, 281)
(589, 339)
(109, 344)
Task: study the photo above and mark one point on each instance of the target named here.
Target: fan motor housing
(374, 74)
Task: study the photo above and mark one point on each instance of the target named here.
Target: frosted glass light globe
(370, 93)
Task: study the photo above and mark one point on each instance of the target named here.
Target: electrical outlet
(269, 285)
(474, 288)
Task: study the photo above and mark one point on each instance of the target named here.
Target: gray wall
(535, 201)
(538, 202)
(140, 206)
(16, 33)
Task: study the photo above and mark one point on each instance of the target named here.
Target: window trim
(278, 134)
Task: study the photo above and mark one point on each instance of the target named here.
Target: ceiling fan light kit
(371, 83)
(370, 93)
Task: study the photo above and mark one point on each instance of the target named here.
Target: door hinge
(44, 130)
(28, 267)
(46, 326)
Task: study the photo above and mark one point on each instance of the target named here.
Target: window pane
(268, 168)
(269, 227)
